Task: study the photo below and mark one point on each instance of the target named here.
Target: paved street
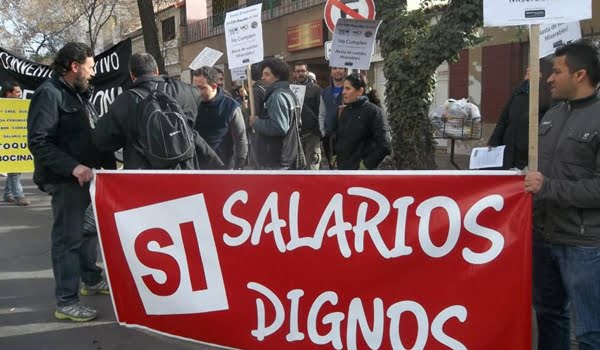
(26, 291)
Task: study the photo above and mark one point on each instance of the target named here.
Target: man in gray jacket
(566, 245)
(277, 144)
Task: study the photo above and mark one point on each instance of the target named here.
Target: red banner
(398, 260)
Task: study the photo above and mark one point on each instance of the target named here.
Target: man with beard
(60, 123)
(309, 132)
(331, 100)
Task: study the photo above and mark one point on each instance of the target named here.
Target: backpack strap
(138, 89)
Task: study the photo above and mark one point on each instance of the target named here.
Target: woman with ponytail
(363, 133)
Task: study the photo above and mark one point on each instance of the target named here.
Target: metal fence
(213, 25)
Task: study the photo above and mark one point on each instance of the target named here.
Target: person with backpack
(277, 143)
(153, 122)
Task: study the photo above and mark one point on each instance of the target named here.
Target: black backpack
(163, 135)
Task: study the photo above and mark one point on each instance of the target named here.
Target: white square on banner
(207, 57)
(553, 36)
(180, 232)
(519, 12)
(353, 43)
(243, 36)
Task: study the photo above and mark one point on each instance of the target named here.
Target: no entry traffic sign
(355, 9)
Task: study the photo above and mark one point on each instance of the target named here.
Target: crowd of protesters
(217, 129)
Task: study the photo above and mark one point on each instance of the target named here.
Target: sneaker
(9, 199)
(21, 201)
(75, 312)
(99, 288)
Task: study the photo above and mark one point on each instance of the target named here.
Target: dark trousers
(74, 251)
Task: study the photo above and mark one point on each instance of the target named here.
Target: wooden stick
(534, 93)
(250, 89)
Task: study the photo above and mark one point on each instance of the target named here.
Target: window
(168, 29)
(219, 8)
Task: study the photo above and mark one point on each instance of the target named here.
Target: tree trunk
(150, 32)
(413, 48)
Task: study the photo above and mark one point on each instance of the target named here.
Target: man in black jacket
(309, 132)
(60, 123)
(566, 220)
(118, 127)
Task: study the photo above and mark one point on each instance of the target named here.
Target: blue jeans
(13, 186)
(74, 250)
(566, 277)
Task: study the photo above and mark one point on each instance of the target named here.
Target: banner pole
(250, 89)
(534, 92)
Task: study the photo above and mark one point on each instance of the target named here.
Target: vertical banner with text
(334, 260)
(14, 153)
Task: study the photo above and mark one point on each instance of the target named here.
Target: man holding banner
(566, 246)
(60, 123)
(13, 190)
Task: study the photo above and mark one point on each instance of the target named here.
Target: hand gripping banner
(377, 260)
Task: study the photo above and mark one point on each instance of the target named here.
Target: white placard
(485, 157)
(243, 36)
(553, 36)
(353, 43)
(239, 73)
(207, 57)
(514, 13)
(300, 92)
(327, 47)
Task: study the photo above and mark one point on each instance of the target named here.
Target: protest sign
(353, 43)
(239, 73)
(514, 13)
(300, 92)
(299, 260)
(243, 36)
(111, 79)
(14, 152)
(206, 57)
(553, 36)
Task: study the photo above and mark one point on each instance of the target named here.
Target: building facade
(486, 74)
(293, 30)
